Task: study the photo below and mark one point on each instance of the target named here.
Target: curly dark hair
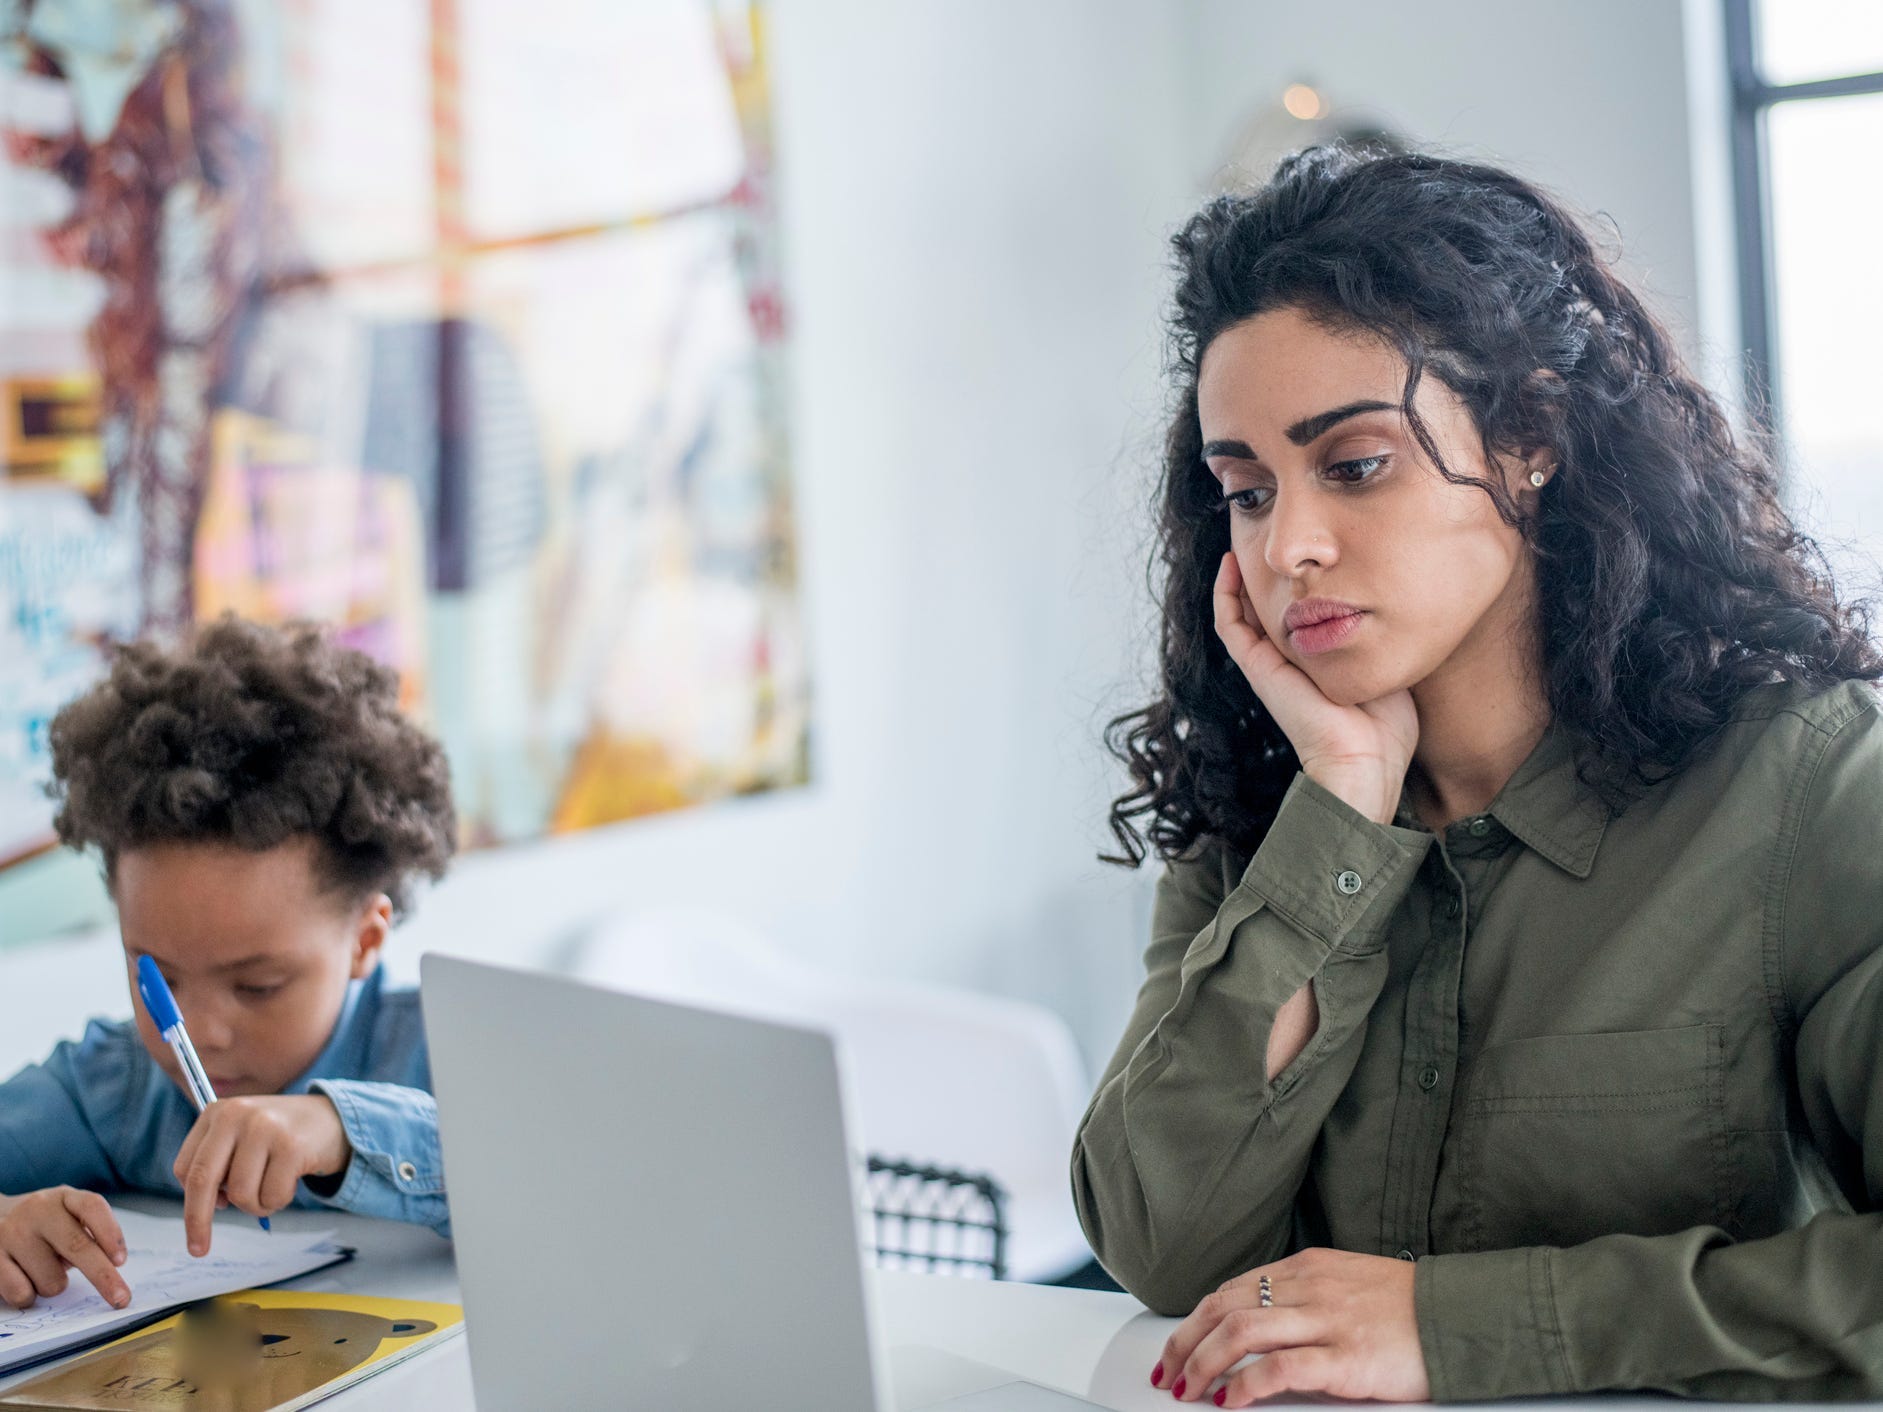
(254, 736)
(1670, 579)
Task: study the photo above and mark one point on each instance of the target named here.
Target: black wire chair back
(937, 1219)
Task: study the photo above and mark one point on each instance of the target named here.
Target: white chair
(948, 1077)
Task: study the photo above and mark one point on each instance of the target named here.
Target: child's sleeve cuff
(397, 1172)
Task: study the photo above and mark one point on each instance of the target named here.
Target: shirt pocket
(1559, 1139)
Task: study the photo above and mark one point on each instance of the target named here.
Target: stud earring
(1537, 478)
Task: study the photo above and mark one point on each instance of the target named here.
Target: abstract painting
(457, 324)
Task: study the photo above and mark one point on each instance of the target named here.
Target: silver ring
(1267, 1292)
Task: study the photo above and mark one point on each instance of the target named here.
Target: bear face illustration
(222, 1356)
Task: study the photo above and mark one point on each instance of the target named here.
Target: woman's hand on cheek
(251, 1152)
(1341, 1324)
(1359, 754)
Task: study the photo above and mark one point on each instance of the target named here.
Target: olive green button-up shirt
(1615, 1082)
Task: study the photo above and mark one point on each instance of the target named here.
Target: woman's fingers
(1249, 647)
(1241, 634)
(1185, 1337)
(1239, 1294)
(1242, 1332)
(1310, 1369)
(1359, 752)
(1289, 693)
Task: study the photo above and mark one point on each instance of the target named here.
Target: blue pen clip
(161, 1006)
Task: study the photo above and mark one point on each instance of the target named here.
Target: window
(1807, 80)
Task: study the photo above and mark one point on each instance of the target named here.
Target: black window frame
(1752, 99)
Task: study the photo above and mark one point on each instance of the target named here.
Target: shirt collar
(1544, 804)
(1547, 805)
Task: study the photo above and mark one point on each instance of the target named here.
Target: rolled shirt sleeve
(1187, 1163)
(397, 1171)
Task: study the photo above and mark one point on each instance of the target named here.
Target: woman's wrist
(1363, 787)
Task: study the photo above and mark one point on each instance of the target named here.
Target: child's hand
(45, 1233)
(250, 1152)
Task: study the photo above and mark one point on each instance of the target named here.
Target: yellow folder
(262, 1350)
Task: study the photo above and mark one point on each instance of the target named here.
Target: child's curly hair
(253, 736)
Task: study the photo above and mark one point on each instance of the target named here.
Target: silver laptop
(653, 1205)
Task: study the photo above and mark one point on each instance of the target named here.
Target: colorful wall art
(455, 323)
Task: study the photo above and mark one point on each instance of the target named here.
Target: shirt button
(1348, 882)
(1407, 1255)
(1451, 907)
(407, 1172)
(1479, 826)
(1428, 1078)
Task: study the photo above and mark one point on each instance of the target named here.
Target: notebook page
(162, 1274)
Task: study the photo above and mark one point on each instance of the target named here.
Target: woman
(1514, 1012)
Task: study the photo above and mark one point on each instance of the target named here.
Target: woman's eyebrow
(1308, 428)
(1302, 432)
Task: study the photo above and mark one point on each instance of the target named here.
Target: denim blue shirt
(100, 1115)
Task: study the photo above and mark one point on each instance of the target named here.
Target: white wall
(1589, 99)
(975, 195)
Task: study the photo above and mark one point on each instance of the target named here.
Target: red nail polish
(1157, 1375)
(1222, 1395)
(1177, 1391)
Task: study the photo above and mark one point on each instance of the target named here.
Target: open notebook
(162, 1275)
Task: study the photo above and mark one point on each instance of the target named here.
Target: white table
(1100, 1346)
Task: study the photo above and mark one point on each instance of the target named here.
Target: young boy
(261, 807)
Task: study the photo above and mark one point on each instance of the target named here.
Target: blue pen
(162, 1008)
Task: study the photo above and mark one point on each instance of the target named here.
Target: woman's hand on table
(1341, 1324)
